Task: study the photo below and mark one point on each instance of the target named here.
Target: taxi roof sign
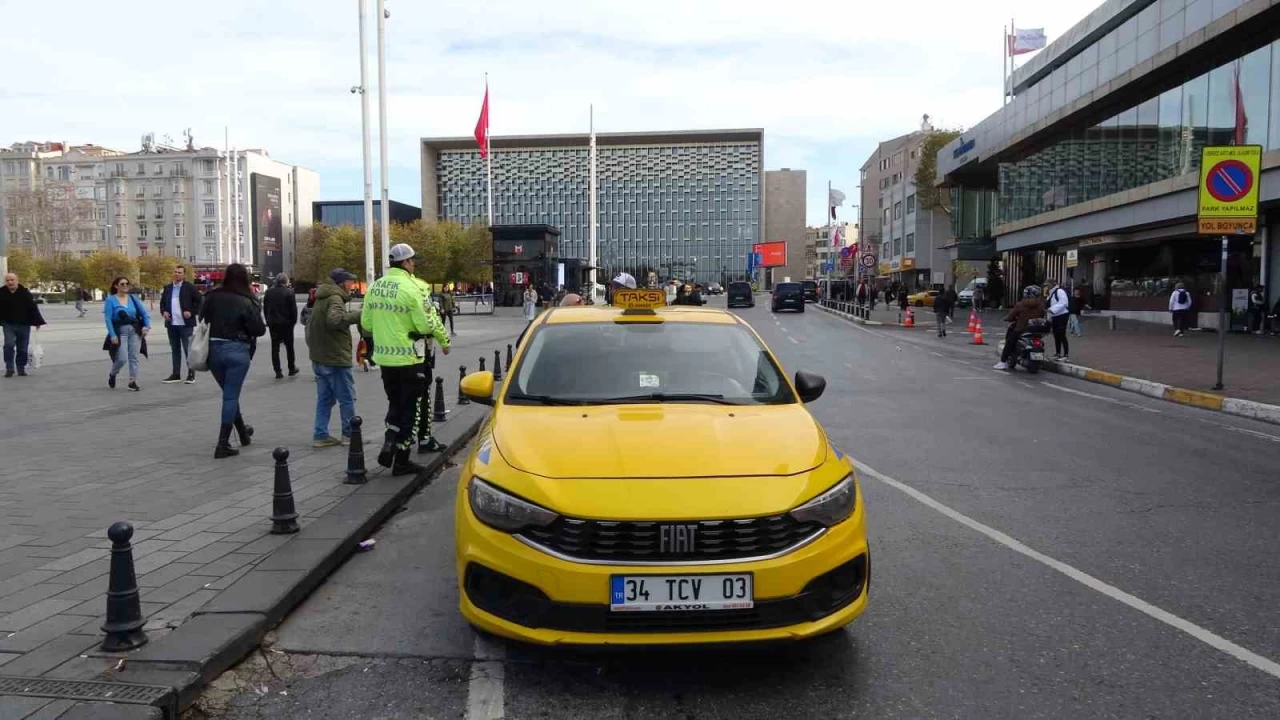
(643, 299)
(1229, 176)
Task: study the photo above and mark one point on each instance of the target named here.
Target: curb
(848, 317)
(232, 625)
(1195, 398)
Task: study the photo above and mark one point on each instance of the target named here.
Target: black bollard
(497, 365)
(439, 414)
(284, 518)
(355, 454)
(481, 364)
(509, 357)
(462, 397)
(124, 610)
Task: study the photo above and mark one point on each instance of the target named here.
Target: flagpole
(1004, 68)
(364, 142)
(382, 135)
(591, 233)
(488, 150)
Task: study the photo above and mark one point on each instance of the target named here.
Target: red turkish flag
(482, 125)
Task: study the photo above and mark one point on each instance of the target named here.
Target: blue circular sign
(1229, 181)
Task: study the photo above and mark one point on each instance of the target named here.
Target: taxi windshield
(615, 363)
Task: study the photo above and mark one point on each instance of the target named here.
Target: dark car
(715, 289)
(788, 296)
(810, 291)
(740, 295)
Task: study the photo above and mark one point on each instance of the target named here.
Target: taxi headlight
(505, 512)
(831, 507)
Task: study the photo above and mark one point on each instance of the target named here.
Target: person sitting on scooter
(1030, 307)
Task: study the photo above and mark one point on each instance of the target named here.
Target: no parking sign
(1229, 189)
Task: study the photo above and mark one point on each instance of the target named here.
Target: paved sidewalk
(76, 456)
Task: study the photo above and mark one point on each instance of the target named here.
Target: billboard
(268, 231)
(772, 254)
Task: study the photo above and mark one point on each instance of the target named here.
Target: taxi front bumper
(520, 592)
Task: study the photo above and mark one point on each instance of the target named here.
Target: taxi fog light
(505, 512)
(831, 507)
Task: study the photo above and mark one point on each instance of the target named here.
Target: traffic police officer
(395, 313)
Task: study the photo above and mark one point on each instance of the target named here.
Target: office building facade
(683, 204)
(1089, 174)
(784, 214)
(336, 213)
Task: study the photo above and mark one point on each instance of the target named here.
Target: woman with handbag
(128, 323)
(235, 324)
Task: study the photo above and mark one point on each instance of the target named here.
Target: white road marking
(485, 693)
(1103, 398)
(1024, 382)
(962, 362)
(1245, 431)
(797, 342)
(983, 377)
(849, 365)
(784, 329)
(938, 354)
(1205, 636)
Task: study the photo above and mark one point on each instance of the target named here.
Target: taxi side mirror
(479, 387)
(810, 386)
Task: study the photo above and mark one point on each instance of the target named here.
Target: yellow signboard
(1229, 177)
(908, 263)
(639, 299)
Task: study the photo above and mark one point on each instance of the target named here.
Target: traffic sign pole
(1222, 311)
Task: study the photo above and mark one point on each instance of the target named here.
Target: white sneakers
(1001, 366)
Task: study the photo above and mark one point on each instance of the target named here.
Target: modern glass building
(351, 212)
(1096, 155)
(682, 204)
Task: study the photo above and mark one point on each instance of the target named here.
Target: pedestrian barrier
(462, 397)
(497, 365)
(977, 335)
(124, 608)
(481, 364)
(911, 319)
(355, 454)
(509, 357)
(284, 516)
(439, 413)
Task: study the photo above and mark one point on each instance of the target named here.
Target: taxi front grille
(652, 542)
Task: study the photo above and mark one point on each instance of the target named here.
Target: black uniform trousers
(404, 388)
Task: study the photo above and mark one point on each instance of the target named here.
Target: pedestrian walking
(395, 313)
(235, 324)
(18, 314)
(1059, 309)
(530, 302)
(862, 294)
(979, 298)
(180, 306)
(281, 311)
(903, 303)
(942, 307)
(128, 323)
(1180, 308)
(328, 337)
(1074, 308)
(1257, 309)
(449, 306)
(81, 297)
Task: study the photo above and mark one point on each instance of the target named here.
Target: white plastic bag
(198, 357)
(37, 356)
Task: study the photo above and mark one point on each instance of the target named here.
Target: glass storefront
(1153, 140)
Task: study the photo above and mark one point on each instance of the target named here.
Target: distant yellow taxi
(649, 475)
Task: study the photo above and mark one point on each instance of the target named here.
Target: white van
(966, 295)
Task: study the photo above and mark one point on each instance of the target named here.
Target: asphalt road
(1043, 547)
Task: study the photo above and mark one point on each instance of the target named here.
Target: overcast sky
(826, 80)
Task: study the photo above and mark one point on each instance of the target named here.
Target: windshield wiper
(542, 399)
(666, 397)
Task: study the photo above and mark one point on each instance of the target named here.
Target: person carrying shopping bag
(128, 323)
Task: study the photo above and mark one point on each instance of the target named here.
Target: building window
(179, 229)
(911, 203)
(897, 210)
(142, 230)
(911, 242)
(210, 209)
(208, 230)
(207, 185)
(208, 165)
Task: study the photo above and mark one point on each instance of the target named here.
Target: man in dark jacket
(329, 341)
(281, 313)
(942, 305)
(18, 314)
(180, 305)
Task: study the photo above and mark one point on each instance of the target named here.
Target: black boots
(224, 448)
(244, 432)
(404, 466)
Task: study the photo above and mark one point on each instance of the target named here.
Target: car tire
(801, 308)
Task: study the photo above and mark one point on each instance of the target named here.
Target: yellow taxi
(649, 475)
(924, 298)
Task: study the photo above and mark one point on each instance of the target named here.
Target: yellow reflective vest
(395, 314)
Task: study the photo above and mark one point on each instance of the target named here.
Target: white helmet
(625, 280)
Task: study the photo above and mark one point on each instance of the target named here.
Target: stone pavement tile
(195, 542)
(175, 521)
(6, 657)
(71, 562)
(146, 547)
(40, 633)
(179, 611)
(167, 574)
(83, 574)
(22, 565)
(155, 561)
(212, 506)
(30, 596)
(52, 711)
(54, 537)
(93, 626)
(223, 515)
(260, 591)
(176, 590)
(266, 544)
(209, 553)
(8, 541)
(32, 614)
(185, 531)
(70, 547)
(228, 580)
(88, 607)
(25, 580)
(226, 565)
(50, 655)
(19, 707)
(110, 711)
(86, 590)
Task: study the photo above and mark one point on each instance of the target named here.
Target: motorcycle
(1030, 348)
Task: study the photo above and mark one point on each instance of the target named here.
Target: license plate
(1037, 356)
(638, 593)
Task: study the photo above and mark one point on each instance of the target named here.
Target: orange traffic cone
(911, 319)
(977, 335)
(973, 321)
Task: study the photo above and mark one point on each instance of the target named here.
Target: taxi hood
(659, 440)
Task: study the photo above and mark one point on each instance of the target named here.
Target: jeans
(1073, 324)
(333, 384)
(229, 364)
(16, 339)
(282, 335)
(130, 341)
(1060, 344)
(403, 386)
(180, 344)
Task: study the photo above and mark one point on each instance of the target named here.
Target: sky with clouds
(826, 80)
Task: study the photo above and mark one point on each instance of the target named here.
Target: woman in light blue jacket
(127, 323)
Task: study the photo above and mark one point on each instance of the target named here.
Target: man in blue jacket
(180, 306)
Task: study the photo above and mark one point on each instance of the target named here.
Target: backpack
(1182, 296)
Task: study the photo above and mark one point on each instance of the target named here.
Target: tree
(22, 264)
(51, 214)
(106, 265)
(154, 271)
(928, 195)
